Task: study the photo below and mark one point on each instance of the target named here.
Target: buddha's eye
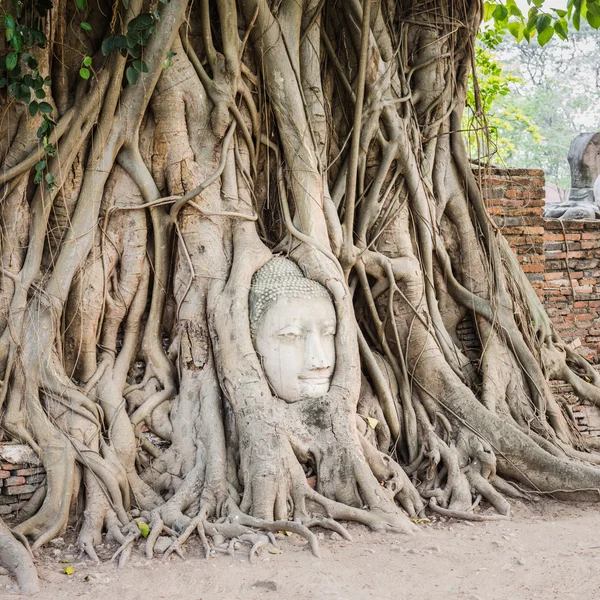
(290, 334)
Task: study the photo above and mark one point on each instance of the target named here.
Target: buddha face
(295, 340)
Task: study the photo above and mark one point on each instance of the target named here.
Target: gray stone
(584, 195)
(57, 542)
(18, 454)
(267, 584)
(162, 543)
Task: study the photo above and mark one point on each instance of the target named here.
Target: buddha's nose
(316, 356)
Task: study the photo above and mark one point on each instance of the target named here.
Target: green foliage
(488, 122)
(167, 62)
(19, 68)
(19, 72)
(505, 16)
(131, 45)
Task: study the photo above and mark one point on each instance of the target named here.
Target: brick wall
(572, 282)
(20, 476)
(515, 200)
(562, 261)
(560, 258)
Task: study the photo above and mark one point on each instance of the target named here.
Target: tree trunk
(191, 146)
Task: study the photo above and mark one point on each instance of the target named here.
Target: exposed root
(463, 515)
(17, 558)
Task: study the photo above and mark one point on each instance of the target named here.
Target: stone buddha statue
(584, 195)
(293, 325)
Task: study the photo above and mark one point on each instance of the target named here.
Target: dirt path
(549, 550)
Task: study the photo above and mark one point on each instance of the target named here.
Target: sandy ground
(547, 550)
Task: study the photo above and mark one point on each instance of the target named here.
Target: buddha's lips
(315, 380)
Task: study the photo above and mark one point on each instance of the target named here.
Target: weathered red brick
(533, 268)
(20, 489)
(14, 481)
(30, 471)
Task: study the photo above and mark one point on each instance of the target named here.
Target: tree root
(463, 515)
(17, 558)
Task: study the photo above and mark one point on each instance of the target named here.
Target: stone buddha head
(293, 324)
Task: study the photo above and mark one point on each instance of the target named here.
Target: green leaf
(166, 63)
(41, 132)
(9, 24)
(24, 94)
(33, 108)
(143, 527)
(561, 29)
(87, 61)
(132, 75)
(108, 45)
(542, 23)
(45, 108)
(545, 36)
(516, 30)
(81, 4)
(577, 19)
(170, 53)
(132, 38)
(500, 13)
(532, 17)
(47, 81)
(84, 73)
(11, 61)
(513, 9)
(140, 65)
(141, 22)
(85, 26)
(40, 165)
(9, 21)
(593, 9)
(16, 42)
(50, 181)
(594, 21)
(120, 41)
(40, 94)
(3, 82)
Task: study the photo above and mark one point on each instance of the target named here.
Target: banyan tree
(237, 238)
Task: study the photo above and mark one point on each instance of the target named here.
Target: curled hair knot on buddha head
(279, 278)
